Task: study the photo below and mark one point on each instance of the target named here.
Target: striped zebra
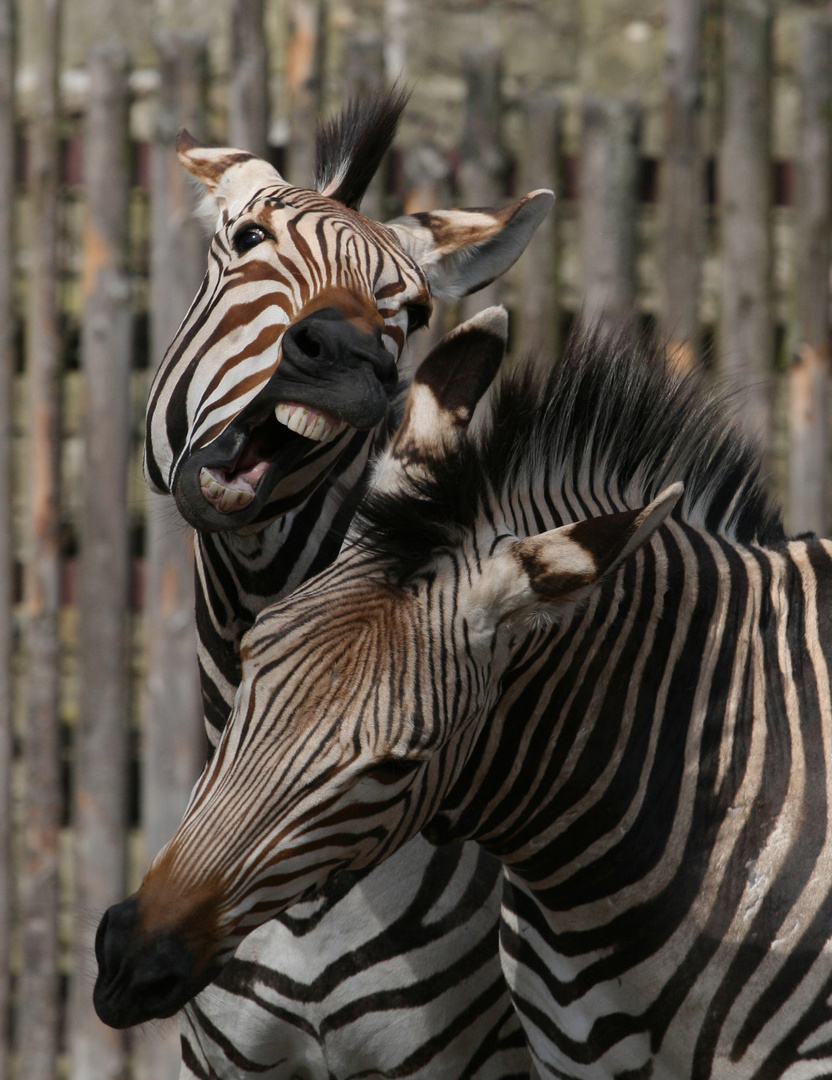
(284, 377)
(621, 689)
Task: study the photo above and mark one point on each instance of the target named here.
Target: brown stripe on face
(358, 309)
(192, 912)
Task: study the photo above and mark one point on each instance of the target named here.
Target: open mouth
(234, 488)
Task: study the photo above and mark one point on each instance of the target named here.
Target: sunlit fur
(653, 770)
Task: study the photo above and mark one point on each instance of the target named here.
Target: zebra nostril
(307, 343)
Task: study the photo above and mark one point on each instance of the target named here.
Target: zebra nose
(138, 979)
(325, 340)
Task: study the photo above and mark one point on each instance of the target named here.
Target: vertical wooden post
(248, 89)
(746, 346)
(682, 180)
(608, 190)
(363, 75)
(7, 368)
(174, 740)
(537, 268)
(303, 85)
(482, 171)
(100, 755)
(37, 1032)
(809, 415)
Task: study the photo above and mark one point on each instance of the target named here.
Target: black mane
(350, 147)
(607, 428)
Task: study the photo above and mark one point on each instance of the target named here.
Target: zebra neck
(239, 575)
(668, 705)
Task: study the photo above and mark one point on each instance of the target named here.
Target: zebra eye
(393, 770)
(418, 315)
(248, 238)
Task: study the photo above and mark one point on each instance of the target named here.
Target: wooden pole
(746, 346)
(537, 269)
(101, 751)
(304, 61)
(682, 184)
(482, 169)
(37, 1033)
(608, 194)
(174, 743)
(7, 369)
(809, 414)
(248, 89)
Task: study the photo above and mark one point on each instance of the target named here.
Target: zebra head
(293, 342)
(362, 694)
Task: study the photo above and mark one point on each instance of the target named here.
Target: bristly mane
(350, 147)
(606, 429)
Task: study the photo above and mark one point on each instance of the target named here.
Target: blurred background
(690, 146)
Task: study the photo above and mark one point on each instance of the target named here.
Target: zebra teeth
(313, 424)
(222, 497)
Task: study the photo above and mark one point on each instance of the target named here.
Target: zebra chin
(142, 977)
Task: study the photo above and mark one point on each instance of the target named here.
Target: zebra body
(631, 710)
(297, 279)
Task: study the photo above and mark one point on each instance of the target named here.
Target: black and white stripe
(333, 988)
(635, 718)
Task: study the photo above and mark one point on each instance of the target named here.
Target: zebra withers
(301, 277)
(622, 693)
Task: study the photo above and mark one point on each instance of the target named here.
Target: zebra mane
(349, 148)
(607, 428)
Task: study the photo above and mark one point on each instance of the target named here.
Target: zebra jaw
(229, 494)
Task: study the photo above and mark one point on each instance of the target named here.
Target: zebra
(568, 624)
(282, 380)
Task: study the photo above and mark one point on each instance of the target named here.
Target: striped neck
(654, 699)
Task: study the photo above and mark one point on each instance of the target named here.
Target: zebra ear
(461, 251)
(222, 168)
(444, 393)
(560, 565)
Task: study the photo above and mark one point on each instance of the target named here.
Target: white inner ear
(207, 209)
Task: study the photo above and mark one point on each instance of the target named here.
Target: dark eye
(418, 315)
(249, 237)
(393, 770)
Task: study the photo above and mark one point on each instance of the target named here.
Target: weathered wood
(363, 75)
(7, 367)
(482, 156)
(304, 64)
(539, 309)
(608, 190)
(174, 741)
(100, 756)
(248, 88)
(682, 185)
(809, 414)
(746, 343)
(38, 1001)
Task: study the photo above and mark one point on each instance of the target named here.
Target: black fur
(350, 147)
(608, 410)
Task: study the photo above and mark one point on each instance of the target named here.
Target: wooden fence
(721, 250)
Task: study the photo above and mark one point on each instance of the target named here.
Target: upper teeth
(314, 425)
